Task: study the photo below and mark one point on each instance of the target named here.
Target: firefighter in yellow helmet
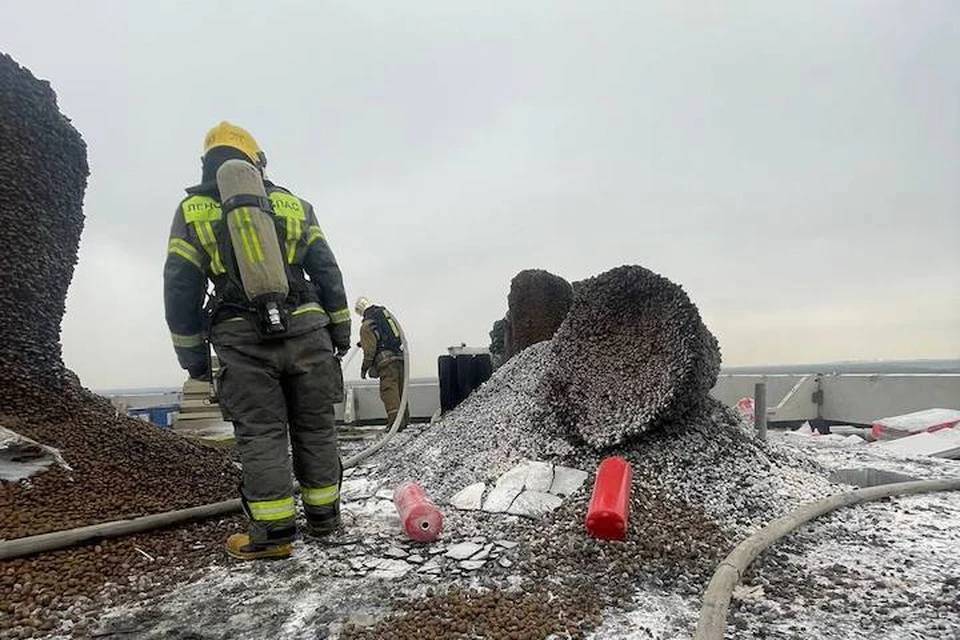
(276, 383)
(382, 356)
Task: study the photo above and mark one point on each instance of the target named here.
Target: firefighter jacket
(379, 338)
(199, 251)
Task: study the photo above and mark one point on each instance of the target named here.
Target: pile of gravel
(43, 175)
(487, 434)
(538, 302)
(631, 355)
(498, 342)
(627, 374)
(62, 590)
(119, 467)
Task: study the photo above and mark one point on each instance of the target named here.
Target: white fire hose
(713, 614)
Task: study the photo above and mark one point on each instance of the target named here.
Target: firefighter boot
(322, 521)
(239, 546)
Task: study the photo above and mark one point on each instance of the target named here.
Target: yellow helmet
(230, 135)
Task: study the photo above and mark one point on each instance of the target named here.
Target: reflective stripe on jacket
(194, 256)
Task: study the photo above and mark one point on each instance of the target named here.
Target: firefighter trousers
(280, 394)
(391, 389)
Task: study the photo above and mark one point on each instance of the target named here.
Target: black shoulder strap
(246, 200)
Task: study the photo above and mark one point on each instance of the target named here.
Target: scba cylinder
(253, 234)
(609, 510)
(421, 519)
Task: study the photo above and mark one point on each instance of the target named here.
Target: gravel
(61, 591)
(43, 175)
(632, 355)
(487, 434)
(627, 373)
(701, 479)
(538, 303)
(884, 570)
(119, 467)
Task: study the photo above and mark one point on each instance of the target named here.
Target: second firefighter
(382, 347)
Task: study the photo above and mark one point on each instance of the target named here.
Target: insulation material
(942, 443)
(916, 422)
(22, 457)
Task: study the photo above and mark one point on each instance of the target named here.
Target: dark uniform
(270, 388)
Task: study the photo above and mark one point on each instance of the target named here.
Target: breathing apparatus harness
(261, 270)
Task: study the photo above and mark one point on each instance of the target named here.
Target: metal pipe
(30, 545)
(760, 409)
(713, 613)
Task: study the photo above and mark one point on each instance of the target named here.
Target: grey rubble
(631, 355)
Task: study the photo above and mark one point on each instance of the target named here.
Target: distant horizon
(935, 365)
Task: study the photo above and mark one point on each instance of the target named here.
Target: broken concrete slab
(390, 569)
(484, 553)
(534, 504)
(500, 499)
(566, 481)
(357, 564)
(463, 550)
(472, 565)
(515, 478)
(396, 553)
(358, 489)
(433, 566)
(378, 510)
(539, 476)
(470, 498)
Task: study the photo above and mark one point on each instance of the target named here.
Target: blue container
(161, 416)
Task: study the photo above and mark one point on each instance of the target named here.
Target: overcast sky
(795, 165)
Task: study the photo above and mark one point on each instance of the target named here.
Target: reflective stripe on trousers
(320, 496)
(267, 510)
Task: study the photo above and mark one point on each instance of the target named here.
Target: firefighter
(279, 374)
(382, 356)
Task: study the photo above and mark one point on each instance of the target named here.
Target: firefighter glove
(340, 335)
(200, 373)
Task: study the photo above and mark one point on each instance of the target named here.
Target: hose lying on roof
(716, 599)
(30, 545)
